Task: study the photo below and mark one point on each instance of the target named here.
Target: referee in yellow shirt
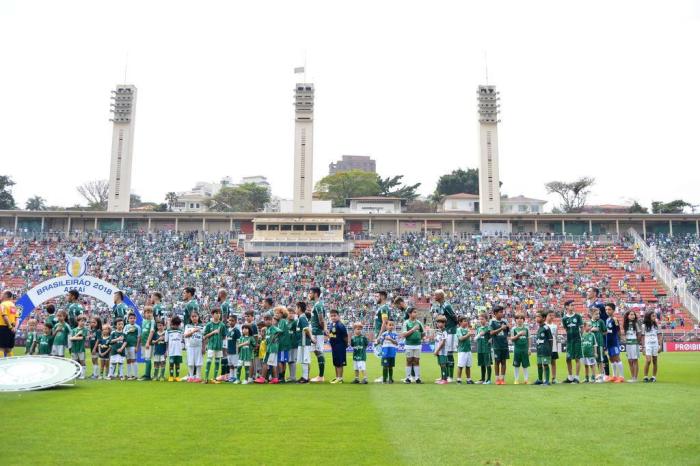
(8, 318)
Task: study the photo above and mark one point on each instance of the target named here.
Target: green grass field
(159, 423)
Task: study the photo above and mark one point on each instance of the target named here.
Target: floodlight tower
(489, 180)
(303, 145)
(123, 108)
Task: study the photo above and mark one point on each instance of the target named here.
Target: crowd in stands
(477, 273)
(681, 253)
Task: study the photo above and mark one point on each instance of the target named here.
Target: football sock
(540, 370)
(391, 373)
(321, 365)
(416, 371)
(208, 369)
(385, 373)
(217, 365)
(224, 366)
(238, 372)
(172, 368)
(546, 373)
(247, 372)
(177, 370)
(147, 374)
(488, 372)
(292, 370)
(305, 371)
(111, 370)
(95, 369)
(525, 373)
(409, 369)
(517, 373)
(450, 365)
(483, 373)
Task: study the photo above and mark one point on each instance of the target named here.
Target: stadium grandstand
(528, 271)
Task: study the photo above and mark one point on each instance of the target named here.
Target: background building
(353, 162)
(195, 200)
(489, 180)
(522, 205)
(460, 202)
(124, 110)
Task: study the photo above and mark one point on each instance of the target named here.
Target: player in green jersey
(155, 300)
(132, 335)
(94, 335)
(599, 329)
(74, 308)
(499, 340)
(45, 342)
(294, 341)
(483, 349)
(305, 339)
(214, 333)
(444, 308)
(61, 330)
(318, 330)
(572, 322)
(545, 340)
(381, 317)
(412, 331)
(78, 338)
(284, 342)
(32, 339)
(520, 337)
(224, 304)
(117, 345)
(148, 328)
(103, 350)
(245, 347)
(588, 347)
(191, 304)
(159, 349)
(464, 350)
(120, 309)
(359, 344)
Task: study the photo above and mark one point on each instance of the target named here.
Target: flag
(298, 70)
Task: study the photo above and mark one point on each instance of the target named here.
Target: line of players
(264, 351)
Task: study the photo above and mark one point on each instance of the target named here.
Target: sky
(595, 88)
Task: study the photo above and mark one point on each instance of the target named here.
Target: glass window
(323, 227)
(335, 227)
(286, 227)
(273, 227)
(310, 227)
(297, 227)
(261, 227)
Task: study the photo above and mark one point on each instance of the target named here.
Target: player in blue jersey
(612, 342)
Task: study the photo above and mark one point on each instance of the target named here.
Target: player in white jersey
(194, 332)
(650, 342)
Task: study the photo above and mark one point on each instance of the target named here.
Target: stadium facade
(355, 223)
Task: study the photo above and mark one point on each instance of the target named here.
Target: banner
(75, 279)
(685, 347)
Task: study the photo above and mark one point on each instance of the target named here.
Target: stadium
(349, 317)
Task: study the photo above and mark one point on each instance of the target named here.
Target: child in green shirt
(483, 350)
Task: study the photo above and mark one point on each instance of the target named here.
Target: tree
(248, 197)
(135, 201)
(673, 207)
(7, 202)
(171, 199)
(95, 193)
(635, 208)
(388, 187)
(344, 185)
(163, 207)
(573, 194)
(459, 181)
(35, 203)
